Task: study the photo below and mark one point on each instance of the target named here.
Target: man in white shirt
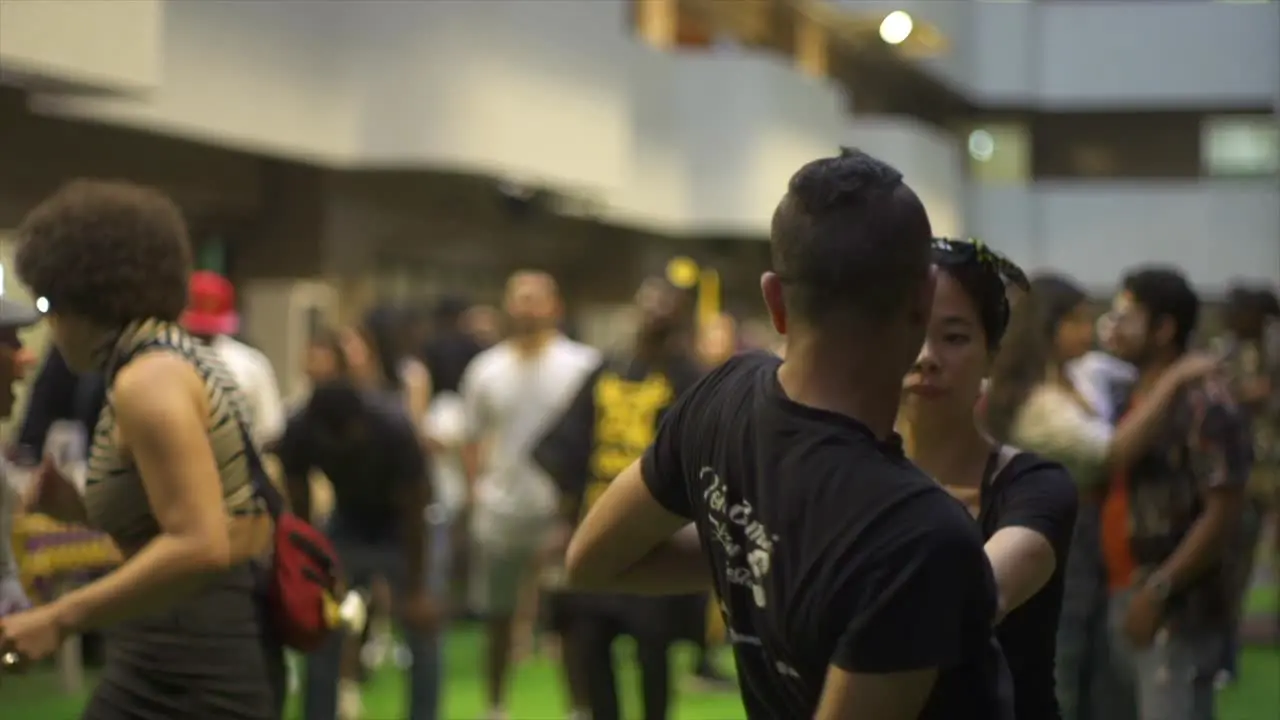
(512, 393)
(211, 315)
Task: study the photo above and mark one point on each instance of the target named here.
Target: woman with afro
(168, 475)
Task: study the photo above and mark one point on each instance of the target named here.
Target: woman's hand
(35, 634)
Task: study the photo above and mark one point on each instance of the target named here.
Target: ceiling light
(896, 27)
(982, 146)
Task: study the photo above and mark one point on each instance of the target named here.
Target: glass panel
(999, 153)
(1241, 145)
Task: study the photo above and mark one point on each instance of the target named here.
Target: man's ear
(771, 291)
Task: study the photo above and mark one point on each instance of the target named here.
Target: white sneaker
(293, 672)
(350, 701)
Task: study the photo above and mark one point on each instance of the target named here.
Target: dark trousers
(211, 657)
(592, 632)
(1240, 571)
(363, 560)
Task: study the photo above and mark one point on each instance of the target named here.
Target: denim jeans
(1085, 680)
(362, 561)
(1172, 679)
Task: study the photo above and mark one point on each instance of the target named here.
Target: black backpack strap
(258, 475)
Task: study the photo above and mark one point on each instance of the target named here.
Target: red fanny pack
(305, 573)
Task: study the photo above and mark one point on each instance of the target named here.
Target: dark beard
(525, 328)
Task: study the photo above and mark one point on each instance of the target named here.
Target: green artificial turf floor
(536, 693)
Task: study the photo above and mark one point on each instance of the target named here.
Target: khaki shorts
(502, 564)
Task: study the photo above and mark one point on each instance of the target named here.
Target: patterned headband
(973, 250)
(1001, 273)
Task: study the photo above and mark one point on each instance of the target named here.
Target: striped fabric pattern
(114, 495)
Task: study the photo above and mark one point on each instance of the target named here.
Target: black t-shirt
(368, 470)
(827, 548)
(1039, 495)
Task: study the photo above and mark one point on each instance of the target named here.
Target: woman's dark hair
(384, 329)
(985, 275)
(1028, 349)
(109, 251)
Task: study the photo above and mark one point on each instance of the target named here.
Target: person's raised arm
(1034, 536)
(161, 416)
(1134, 431)
(1058, 428)
(417, 390)
(922, 604)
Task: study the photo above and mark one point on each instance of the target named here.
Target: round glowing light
(682, 272)
(982, 146)
(896, 27)
(42, 305)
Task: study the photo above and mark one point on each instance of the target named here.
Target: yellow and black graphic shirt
(611, 421)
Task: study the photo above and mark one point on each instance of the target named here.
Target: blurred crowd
(519, 427)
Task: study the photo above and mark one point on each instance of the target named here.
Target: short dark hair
(1268, 303)
(1165, 294)
(109, 251)
(335, 404)
(849, 237)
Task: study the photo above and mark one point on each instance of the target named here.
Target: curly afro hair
(109, 251)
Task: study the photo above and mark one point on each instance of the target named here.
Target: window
(1116, 145)
(999, 153)
(1240, 145)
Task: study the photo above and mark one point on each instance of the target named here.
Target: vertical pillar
(657, 21)
(811, 44)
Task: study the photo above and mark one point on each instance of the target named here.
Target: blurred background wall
(330, 153)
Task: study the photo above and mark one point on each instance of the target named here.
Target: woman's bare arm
(1022, 561)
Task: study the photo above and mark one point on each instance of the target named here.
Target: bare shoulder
(154, 379)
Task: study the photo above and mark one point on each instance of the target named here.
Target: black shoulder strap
(258, 475)
(1000, 460)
